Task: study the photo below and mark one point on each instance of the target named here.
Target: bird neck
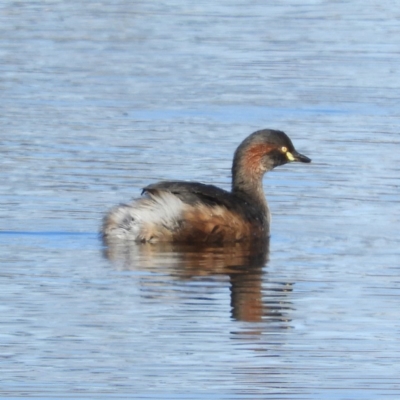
(250, 188)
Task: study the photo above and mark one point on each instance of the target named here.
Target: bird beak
(295, 156)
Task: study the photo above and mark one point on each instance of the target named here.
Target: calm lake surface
(101, 98)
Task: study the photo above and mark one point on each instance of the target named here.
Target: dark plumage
(194, 212)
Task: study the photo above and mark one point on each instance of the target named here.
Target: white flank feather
(145, 219)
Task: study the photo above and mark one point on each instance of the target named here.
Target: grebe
(176, 211)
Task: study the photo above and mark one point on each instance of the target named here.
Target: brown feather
(252, 161)
(215, 224)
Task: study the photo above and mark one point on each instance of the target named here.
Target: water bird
(192, 212)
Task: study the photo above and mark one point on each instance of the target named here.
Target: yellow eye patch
(289, 156)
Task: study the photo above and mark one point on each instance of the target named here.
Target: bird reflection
(253, 297)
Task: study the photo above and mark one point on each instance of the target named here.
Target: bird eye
(284, 149)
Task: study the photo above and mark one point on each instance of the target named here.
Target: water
(102, 98)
